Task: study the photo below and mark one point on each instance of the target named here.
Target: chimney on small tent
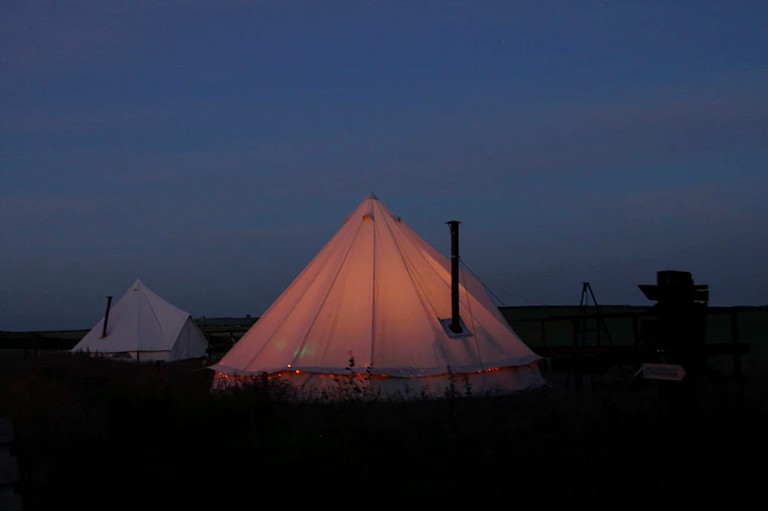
(106, 317)
(455, 325)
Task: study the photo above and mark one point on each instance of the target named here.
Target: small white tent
(142, 326)
(379, 296)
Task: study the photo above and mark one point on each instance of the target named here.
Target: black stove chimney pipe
(455, 325)
(106, 317)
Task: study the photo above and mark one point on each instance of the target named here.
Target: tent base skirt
(305, 386)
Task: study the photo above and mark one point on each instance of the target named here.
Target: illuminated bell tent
(142, 326)
(378, 296)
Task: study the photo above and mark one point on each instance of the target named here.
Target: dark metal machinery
(676, 335)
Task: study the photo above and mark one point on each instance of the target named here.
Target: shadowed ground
(100, 434)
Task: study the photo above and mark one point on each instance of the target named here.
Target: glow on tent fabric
(377, 293)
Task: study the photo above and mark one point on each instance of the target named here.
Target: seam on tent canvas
(418, 285)
(425, 253)
(472, 322)
(372, 360)
(300, 276)
(137, 304)
(414, 277)
(488, 290)
(325, 297)
(154, 315)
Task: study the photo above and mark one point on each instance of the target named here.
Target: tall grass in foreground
(101, 434)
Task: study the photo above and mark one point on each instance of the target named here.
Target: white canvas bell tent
(378, 295)
(142, 326)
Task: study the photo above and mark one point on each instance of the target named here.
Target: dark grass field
(101, 434)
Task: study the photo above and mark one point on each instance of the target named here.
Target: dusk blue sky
(211, 148)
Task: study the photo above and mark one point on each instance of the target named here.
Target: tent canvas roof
(141, 321)
(379, 293)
